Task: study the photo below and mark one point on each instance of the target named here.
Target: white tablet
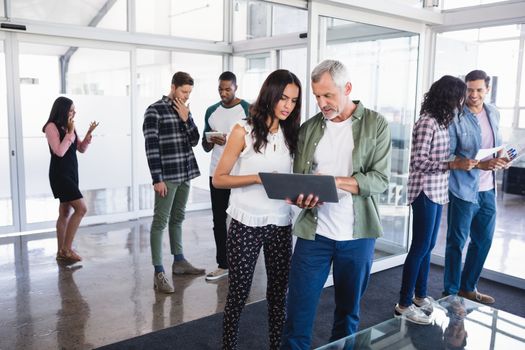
(290, 186)
(210, 134)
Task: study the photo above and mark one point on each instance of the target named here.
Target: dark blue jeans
(310, 267)
(478, 220)
(219, 204)
(425, 227)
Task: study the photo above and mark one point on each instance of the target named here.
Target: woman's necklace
(273, 138)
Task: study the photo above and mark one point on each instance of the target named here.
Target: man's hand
(493, 164)
(161, 189)
(182, 109)
(309, 202)
(218, 140)
(463, 164)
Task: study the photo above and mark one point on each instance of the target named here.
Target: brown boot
(477, 297)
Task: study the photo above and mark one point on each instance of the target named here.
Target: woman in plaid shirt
(428, 191)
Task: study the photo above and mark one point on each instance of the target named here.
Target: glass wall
(382, 63)
(6, 203)
(154, 71)
(452, 4)
(98, 81)
(293, 60)
(93, 13)
(197, 19)
(258, 19)
(459, 52)
(251, 71)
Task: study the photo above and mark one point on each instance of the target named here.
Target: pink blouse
(60, 148)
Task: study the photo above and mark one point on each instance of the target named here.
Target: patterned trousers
(244, 245)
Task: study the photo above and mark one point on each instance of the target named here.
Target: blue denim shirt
(465, 141)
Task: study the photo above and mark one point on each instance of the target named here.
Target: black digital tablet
(290, 186)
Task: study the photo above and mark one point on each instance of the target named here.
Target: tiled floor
(109, 296)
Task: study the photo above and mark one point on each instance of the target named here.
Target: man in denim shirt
(472, 207)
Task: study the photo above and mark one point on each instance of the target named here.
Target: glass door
(98, 82)
(382, 58)
(6, 151)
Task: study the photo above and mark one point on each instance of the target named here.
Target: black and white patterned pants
(244, 245)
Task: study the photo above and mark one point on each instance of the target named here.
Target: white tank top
(249, 204)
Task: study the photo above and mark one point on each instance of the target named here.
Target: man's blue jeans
(478, 219)
(425, 228)
(311, 262)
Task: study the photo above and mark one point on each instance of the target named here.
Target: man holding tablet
(352, 143)
(218, 121)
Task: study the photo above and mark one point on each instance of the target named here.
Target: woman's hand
(70, 125)
(92, 126)
(462, 164)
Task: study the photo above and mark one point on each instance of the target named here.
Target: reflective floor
(508, 244)
(457, 323)
(109, 295)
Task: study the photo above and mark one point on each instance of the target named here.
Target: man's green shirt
(371, 164)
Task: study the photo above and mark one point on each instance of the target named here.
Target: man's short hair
(228, 76)
(336, 69)
(181, 78)
(478, 75)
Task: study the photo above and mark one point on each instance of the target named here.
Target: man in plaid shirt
(170, 134)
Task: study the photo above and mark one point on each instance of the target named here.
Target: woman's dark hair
(263, 108)
(59, 113)
(444, 97)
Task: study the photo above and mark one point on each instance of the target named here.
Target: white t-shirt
(486, 180)
(333, 156)
(249, 204)
(222, 119)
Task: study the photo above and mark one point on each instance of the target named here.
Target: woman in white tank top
(265, 142)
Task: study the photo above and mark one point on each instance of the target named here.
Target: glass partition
(98, 83)
(6, 203)
(93, 13)
(259, 19)
(293, 60)
(155, 69)
(452, 4)
(195, 19)
(459, 52)
(382, 63)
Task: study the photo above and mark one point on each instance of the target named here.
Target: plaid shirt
(169, 143)
(429, 161)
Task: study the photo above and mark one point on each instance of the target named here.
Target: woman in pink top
(63, 173)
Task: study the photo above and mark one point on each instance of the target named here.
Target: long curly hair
(444, 99)
(263, 108)
(59, 113)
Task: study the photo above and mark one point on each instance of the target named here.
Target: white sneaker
(425, 304)
(412, 314)
(215, 275)
(161, 283)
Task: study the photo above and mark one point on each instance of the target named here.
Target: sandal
(69, 256)
(72, 255)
